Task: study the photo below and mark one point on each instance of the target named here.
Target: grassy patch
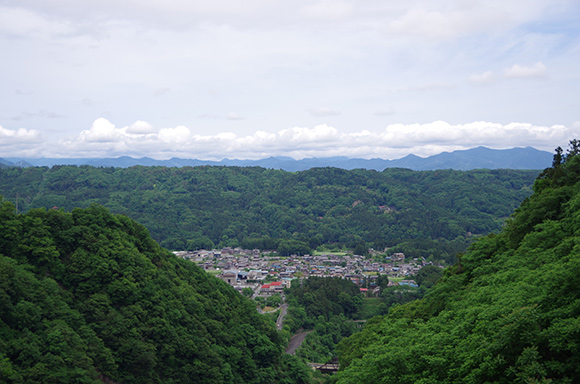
(371, 307)
(213, 272)
(320, 253)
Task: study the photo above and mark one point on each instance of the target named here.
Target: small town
(267, 273)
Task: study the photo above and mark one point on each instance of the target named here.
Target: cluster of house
(249, 268)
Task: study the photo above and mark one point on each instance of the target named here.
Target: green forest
(333, 308)
(507, 312)
(432, 214)
(326, 306)
(90, 297)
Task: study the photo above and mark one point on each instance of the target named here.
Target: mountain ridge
(461, 160)
(506, 312)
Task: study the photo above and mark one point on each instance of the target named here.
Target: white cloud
(482, 78)
(10, 137)
(441, 23)
(536, 70)
(22, 22)
(40, 113)
(141, 127)
(268, 61)
(234, 116)
(102, 131)
(320, 135)
(178, 134)
(394, 141)
(494, 135)
(425, 87)
(328, 9)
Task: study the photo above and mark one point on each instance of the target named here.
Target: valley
(90, 294)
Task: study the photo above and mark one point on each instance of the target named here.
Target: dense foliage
(325, 296)
(326, 306)
(508, 312)
(334, 308)
(88, 296)
(432, 213)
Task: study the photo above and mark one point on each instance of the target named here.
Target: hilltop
(463, 160)
(89, 297)
(507, 312)
(434, 212)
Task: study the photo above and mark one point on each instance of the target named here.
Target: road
(280, 321)
(296, 341)
(298, 338)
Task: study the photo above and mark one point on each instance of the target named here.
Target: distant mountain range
(475, 158)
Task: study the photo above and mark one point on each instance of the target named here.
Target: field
(320, 253)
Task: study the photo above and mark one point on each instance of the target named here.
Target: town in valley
(267, 273)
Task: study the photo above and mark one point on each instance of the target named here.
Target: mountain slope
(480, 158)
(193, 207)
(508, 312)
(88, 297)
(476, 158)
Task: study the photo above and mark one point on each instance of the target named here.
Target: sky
(257, 78)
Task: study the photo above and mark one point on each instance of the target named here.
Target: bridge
(331, 367)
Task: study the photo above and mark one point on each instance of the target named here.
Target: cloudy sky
(256, 78)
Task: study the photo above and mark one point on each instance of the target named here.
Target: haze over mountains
(475, 158)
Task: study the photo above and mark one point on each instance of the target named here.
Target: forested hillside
(508, 312)
(326, 306)
(430, 212)
(89, 297)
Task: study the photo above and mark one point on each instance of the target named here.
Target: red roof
(273, 284)
(364, 289)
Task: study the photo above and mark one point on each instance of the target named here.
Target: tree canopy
(427, 213)
(506, 312)
(88, 296)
